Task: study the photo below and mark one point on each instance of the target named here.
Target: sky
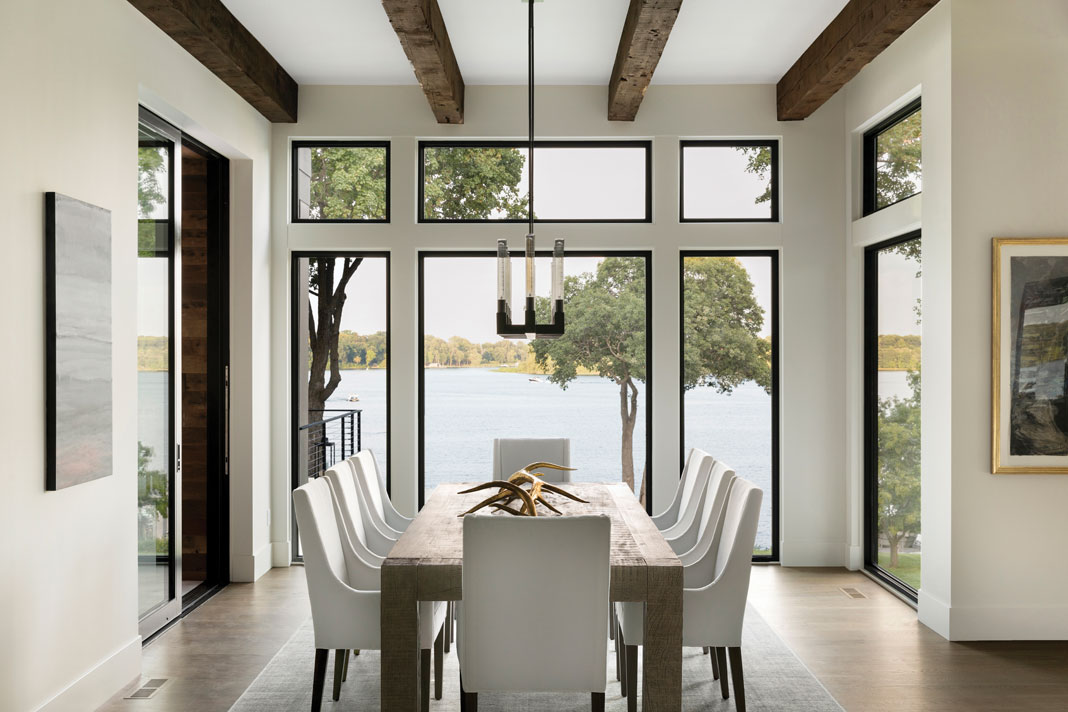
(609, 183)
(899, 288)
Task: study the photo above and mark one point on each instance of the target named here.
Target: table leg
(662, 666)
(400, 638)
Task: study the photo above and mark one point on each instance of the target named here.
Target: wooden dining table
(426, 564)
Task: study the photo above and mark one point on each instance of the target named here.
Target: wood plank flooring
(870, 653)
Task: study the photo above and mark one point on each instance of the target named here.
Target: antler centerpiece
(511, 492)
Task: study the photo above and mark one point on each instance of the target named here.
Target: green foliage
(152, 485)
(899, 353)
(898, 508)
(605, 330)
(153, 353)
(152, 180)
(758, 162)
(473, 183)
(898, 161)
(361, 351)
(348, 183)
(722, 322)
(459, 352)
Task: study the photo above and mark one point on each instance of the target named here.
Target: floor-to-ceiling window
(729, 370)
(591, 385)
(340, 361)
(157, 363)
(893, 310)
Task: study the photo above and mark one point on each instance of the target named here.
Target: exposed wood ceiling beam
(425, 40)
(860, 32)
(645, 33)
(210, 32)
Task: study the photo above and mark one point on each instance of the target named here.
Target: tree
(605, 333)
(898, 161)
(722, 321)
(473, 183)
(899, 467)
(324, 326)
(348, 183)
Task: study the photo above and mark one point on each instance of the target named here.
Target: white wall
(917, 63)
(1010, 168)
(74, 73)
(810, 237)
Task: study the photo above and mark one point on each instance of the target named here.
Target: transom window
(604, 181)
(729, 181)
(340, 181)
(893, 159)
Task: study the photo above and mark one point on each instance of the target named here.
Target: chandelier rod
(530, 109)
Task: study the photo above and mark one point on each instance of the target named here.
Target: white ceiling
(713, 41)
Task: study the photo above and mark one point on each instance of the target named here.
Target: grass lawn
(908, 569)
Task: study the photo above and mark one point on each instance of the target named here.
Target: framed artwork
(1029, 424)
(78, 349)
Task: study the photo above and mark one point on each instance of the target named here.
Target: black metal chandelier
(529, 328)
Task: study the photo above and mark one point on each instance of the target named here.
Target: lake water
(467, 407)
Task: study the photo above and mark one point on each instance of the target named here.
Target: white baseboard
(246, 568)
(856, 558)
(1008, 623)
(934, 613)
(96, 685)
(813, 553)
(281, 554)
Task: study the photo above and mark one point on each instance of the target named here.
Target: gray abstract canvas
(78, 256)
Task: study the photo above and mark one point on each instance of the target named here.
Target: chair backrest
(697, 460)
(347, 497)
(535, 598)
(734, 555)
(700, 561)
(324, 558)
(367, 469)
(719, 481)
(512, 454)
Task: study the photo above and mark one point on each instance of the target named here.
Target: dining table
(426, 564)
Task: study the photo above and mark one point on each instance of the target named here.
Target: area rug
(775, 680)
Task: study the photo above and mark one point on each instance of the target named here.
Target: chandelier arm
(530, 108)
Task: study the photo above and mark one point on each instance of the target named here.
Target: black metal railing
(335, 436)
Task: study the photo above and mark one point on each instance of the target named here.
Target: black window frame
(870, 166)
(871, 421)
(643, 144)
(294, 200)
(772, 143)
(646, 255)
(296, 284)
(775, 379)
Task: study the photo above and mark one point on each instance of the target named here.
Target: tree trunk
(894, 541)
(628, 413)
(324, 329)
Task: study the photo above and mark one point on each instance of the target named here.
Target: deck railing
(335, 436)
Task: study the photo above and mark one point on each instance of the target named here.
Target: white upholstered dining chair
(698, 463)
(512, 454)
(384, 515)
(713, 609)
(706, 515)
(345, 607)
(535, 595)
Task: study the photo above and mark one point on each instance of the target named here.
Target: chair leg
(621, 660)
(439, 663)
(721, 660)
(611, 621)
(355, 652)
(448, 626)
(345, 669)
(597, 701)
(339, 671)
(736, 678)
(319, 678)
(424, 679)
(631, 656)
(715, 664)
(463, 696)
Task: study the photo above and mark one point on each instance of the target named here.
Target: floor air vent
(852, 592)
(149, 688)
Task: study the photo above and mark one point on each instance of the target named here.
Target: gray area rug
(774, 680)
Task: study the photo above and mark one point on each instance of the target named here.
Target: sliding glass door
(729, 349)
(158, 362)
(892, 412)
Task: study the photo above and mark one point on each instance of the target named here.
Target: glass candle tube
(530, 266)
(558, 272)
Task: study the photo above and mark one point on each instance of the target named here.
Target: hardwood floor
(870, 653)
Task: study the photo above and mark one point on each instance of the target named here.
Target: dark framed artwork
(78, 349)
(1029, 384)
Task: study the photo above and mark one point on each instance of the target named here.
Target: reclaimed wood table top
(426, 564)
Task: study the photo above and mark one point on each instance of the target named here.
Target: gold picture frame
(1029, 403)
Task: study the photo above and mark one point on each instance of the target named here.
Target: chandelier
(529, 328)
